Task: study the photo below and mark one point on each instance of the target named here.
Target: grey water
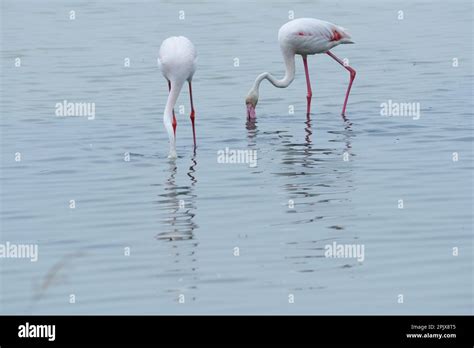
(121, 229)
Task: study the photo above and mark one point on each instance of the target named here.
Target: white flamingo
(303, 36)
(177, 60)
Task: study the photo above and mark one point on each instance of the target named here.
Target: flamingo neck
(289, 59)
(172, 98)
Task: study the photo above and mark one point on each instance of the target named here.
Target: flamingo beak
(251, 111)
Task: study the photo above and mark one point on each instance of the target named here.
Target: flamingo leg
(352, 77)
(308, 87)
(192, 112)
(174, 116)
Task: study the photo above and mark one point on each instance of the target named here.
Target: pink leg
(308, 87)
(174, 117)
(353, 75)
(192, 112)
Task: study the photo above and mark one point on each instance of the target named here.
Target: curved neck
(285, 81)
(172, 97)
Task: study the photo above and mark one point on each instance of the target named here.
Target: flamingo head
(251, 102)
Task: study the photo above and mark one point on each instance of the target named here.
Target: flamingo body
(307, 36)
(177, 59)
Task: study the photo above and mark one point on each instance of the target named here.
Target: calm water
(176, 250)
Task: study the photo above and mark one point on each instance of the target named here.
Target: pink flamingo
(177, 60)
(303, 36)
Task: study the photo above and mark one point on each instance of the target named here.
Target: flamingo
(177, 59)
(303, 36)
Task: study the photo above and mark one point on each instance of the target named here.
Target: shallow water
(188, 250)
